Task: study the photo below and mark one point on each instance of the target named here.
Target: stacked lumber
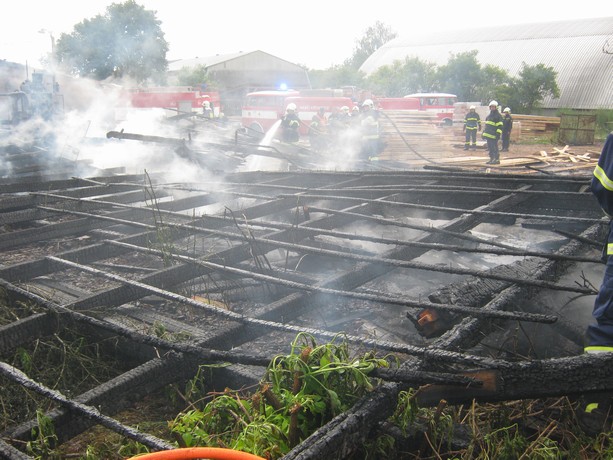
(410, 135)
(535, 125)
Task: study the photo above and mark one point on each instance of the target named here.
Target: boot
(594, 417)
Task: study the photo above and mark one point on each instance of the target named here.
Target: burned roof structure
(441, 269)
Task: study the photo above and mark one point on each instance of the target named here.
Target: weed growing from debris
(65, 362)
(163, 232)
(301, 392)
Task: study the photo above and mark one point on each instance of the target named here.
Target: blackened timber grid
(67, 247)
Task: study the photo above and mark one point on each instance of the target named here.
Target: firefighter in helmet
(369, 123)
(290, 124)
(595, 416)
(492, 132)
(207, 110)
(507, 126)
(472, 123)
(318, 130)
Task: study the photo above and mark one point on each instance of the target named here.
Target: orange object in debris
(213, 453)
(425, 317)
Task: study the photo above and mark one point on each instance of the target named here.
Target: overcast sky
(316, 33)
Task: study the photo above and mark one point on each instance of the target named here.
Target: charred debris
(480, 284)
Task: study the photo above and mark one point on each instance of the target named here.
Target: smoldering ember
(170, 247)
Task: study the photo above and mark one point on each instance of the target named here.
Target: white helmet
(290, 106)
(493, 103)
(206, 104)
(368, 103)
(507, 110)
(345, 108)
(355, 108)
(472, 107)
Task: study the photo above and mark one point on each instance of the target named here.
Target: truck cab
(441, 104)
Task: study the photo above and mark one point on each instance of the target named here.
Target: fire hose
(213, 453)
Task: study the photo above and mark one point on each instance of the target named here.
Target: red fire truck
(180, 98)
(441, 104)
(262, 109)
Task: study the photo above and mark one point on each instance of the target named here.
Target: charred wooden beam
(274, 244)
(88, 411)
(571, 376)
(307, 198)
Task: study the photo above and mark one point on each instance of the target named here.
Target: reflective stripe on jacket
(370, 126)
(472, 121)
(602, 182)
(493, 125)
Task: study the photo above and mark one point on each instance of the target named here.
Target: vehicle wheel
(256, 130)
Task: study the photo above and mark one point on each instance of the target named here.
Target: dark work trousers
(492, 148)
(506, 140)
(471, 138)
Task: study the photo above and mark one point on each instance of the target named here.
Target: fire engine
(179, 98)
(442, 104)
(263, 108)
(39, 97)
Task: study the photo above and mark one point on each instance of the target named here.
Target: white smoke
(79, 136)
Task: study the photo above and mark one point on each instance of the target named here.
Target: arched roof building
(580, 51)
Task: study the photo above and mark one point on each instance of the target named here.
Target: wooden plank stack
(536, 125)
(410, 135)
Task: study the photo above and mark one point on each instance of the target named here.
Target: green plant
(301, 392)
(44, 439)
(163, 233)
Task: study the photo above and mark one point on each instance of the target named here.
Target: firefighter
(507, 126)
(290, 124)
(318, 130)
(492, 132)
(207, 111)
(472, 123)
(594, 417)
(369, 123)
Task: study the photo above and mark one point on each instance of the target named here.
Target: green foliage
(374, 37)
(533, 84)
(300, 393)
(462, 76)
(505, 443)
(44, 439)
(126, 41)
(403, 77)
(336, 76)
(406, 410)
(194, 76)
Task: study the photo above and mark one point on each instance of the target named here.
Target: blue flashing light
(283, 86)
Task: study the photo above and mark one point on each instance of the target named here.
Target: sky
(315, 33)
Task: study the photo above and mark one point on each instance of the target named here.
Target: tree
(374, 37)
(193, 76)
(496, 84)
(533, 84)
(126, 41)
(336, 76)
(402, 77)
(462, 76)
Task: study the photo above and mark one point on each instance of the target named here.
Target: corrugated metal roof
(573, 48)
(205, 61)
(212, 61)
